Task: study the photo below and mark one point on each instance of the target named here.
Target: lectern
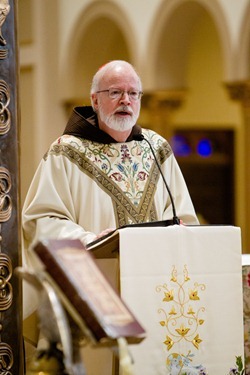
(184, 285)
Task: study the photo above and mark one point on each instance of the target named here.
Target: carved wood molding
(10, 362)
(4, 11)
(4, 111)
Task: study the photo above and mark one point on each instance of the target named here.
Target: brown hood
(83, 123)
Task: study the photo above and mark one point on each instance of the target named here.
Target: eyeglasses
(117, 93)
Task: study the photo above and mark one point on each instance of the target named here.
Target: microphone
(140, 137)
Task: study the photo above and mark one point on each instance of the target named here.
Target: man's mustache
(124, 108)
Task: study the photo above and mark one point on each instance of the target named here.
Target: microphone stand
(140, 137)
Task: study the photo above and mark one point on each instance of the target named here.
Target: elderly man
(96, 176)
(101, 173)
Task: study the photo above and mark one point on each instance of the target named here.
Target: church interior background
(193, 59)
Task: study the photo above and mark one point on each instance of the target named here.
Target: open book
(86, 289)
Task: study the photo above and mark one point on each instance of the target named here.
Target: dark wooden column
(11, 353)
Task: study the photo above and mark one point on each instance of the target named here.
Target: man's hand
(104, 232)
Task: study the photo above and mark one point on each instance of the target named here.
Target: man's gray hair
(107, 67)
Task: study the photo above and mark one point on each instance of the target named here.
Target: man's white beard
(118, 123)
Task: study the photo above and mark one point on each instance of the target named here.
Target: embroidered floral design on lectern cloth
(182, 316)
(181, 319)
(179, 364)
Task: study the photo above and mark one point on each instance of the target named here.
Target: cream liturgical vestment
(87, 182)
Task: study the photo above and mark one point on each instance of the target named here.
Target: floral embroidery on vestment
(126, 171)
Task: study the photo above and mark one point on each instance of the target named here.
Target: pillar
(240, 91)
(11, 355)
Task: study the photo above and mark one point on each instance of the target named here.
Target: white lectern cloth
(184, 284)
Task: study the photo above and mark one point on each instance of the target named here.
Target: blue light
(180, 146)
(204, 148)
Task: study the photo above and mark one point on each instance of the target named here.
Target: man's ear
(94, 101)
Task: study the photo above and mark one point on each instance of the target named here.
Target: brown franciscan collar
(83, 123)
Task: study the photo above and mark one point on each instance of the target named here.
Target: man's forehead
(121, 74)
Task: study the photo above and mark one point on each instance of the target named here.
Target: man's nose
(125, 98)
